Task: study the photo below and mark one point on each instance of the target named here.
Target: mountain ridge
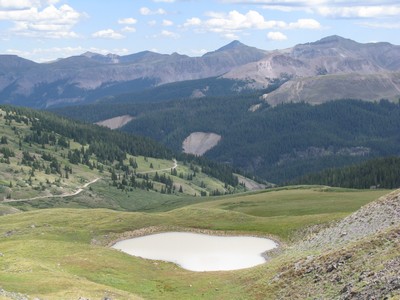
(91, 76)
(332, 55)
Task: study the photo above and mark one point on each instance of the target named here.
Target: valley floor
(62, 253)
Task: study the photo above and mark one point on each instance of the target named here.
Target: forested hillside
(375, 173)
(276, 143)
(45, 156)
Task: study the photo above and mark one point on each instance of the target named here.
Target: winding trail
(79, 190)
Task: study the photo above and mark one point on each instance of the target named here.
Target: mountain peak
(232, 45)
(236, 46)
(89, 54)
(334, 39)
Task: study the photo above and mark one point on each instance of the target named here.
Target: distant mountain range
(90, 76)
(331, 68)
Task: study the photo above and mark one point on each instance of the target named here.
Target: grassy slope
(14, 179)
(297, 207)
(53, 248)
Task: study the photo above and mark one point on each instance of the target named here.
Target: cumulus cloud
(145, 11)
(167, 23)
(127, 21)
(192, 22)
(108, 34)
(276, 36)
(359, 11)
(333, 8)
(304, 24)
(16, 4)
(170, 34)
(129, 29)
(383, 25)
(49, 22)
(231, 36)
(231, 23)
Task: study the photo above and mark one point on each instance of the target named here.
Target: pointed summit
(241, 52)
(232, 45)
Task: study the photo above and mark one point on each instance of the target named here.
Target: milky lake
(199, 252)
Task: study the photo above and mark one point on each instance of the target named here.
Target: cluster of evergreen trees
(48, 130)
(375, 173)
(258, 142)
(105, 144)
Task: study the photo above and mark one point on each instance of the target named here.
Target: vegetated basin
(200, 252)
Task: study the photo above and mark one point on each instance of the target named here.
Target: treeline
(107, 145)
(375, 173)
(163, 96)
(277, 143)
(220, 171)
(104, 142)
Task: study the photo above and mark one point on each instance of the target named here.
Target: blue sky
(44, 30)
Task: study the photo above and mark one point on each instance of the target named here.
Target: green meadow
(62, 253)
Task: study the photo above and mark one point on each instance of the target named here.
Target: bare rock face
(357, 258)
(199, 143)
(117, 122)
(320, 89)
(331, 68)
(370, 219)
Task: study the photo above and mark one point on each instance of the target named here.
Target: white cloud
(276, 36)
(192, 22)
(152, 23)
(359, 11)
(234, 21)
(127, 21)
(287, 9)
(169, 34)
(304, 24)
(108, 34)
(25, 4)
(167, 23)
(129, 29)
(384, 25)
(333, 8)
(145, 11)
(18, 4)
(231, 36)
(50, 22)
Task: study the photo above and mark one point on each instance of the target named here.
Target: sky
(45, 30)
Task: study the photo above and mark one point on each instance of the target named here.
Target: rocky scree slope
(370, 219)
(310, 66)
(357, 258)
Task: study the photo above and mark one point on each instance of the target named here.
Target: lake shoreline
(200, 252)
(111, 240)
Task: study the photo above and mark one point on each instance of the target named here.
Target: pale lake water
(199, 252)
